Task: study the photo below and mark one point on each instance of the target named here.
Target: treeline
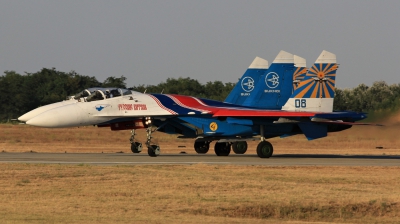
(186, 86)
(22, 93)
(378, 97)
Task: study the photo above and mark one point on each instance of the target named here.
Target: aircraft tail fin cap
(299, 61)
(326, 57)
(284, 57)
(259, 63)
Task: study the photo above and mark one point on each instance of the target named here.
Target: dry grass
(357, 140)
(198, 194)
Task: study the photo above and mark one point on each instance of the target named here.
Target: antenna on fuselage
(145, 91)
(162, 91)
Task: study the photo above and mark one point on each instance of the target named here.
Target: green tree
(115, 82)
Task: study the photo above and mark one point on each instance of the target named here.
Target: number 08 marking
(300, 103)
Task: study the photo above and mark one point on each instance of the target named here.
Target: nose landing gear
(136, 147)
(152, 149)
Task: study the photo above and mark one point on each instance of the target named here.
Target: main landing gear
(239, 147)
(201, 147)
(222, 148)
(264, 148)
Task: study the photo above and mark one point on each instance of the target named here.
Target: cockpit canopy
(100, 93)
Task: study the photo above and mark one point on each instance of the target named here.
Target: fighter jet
(308, 111)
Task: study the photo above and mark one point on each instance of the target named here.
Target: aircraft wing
(241, 112)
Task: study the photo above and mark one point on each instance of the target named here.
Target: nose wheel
(152, 149)
(136, 147)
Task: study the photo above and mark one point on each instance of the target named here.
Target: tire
(201, 147)
(153, 150)
(265, 149)
(222, 149)
(239, 147)
(136, 147)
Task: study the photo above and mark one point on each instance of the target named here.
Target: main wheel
(201, 147)
(153, 150)
(265, 149)
(222, 148)
(239, 147)
(136, 147)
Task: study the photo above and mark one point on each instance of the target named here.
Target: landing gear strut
(136, 147)
(264, 148)
(201, 147)
(222, 148)
(152, 149)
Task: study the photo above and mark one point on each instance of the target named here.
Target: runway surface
(165, 159)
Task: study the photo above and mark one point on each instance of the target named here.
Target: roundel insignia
(272, 80)
(213, 126)
(247, 84)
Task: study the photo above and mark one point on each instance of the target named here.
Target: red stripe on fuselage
(195, 103)
(260, 113)
(188, 102)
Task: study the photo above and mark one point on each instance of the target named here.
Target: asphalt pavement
(165, 159)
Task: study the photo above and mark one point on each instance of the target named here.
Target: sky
(209, 40)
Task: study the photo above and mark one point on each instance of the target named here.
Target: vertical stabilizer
(275, 86)
(300, 72)
(316, 91)
(245, 87)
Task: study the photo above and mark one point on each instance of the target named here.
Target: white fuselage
(96, 112)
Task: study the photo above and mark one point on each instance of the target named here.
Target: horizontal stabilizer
(344, 123)
(313, 130)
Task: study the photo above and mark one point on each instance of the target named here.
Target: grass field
(197, 193)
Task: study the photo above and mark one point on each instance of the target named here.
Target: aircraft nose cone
(66, 116)
(24, 117)
(33, 113)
